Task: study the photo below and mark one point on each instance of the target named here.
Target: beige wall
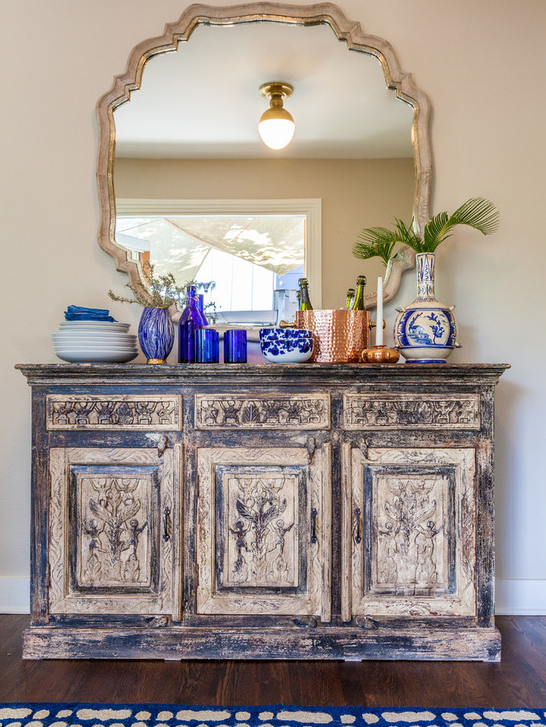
(480, 63)
(354, 194)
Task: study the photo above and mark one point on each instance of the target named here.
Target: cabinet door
(263, 531)
(409, 532)
(111, 547)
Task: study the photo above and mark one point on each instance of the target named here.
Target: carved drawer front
(133, 412)
(411, 411)
(409, 532)
(262, 411)
(112, 521)
(263, 531)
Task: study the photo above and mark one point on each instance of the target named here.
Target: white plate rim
(88, 337)
(97, 359)
(97, 326)
(96, 350)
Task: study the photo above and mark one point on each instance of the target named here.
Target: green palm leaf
(479, 213)
(380, 241)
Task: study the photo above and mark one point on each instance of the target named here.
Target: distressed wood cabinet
(247, 511)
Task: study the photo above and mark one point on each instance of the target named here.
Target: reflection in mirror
(188, 134)
(238, 263)
(245, 262)
(246, 255)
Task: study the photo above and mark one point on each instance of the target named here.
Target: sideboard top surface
(193, 374)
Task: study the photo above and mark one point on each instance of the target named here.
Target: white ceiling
(203, 101)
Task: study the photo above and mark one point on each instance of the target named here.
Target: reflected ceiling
(204, 101)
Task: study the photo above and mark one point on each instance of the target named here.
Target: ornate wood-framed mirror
(177, 34)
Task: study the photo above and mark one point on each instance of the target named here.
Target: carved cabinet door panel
(409, 532)
(113, 515)
(263, 531)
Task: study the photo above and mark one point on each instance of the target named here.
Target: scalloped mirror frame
(322, 13)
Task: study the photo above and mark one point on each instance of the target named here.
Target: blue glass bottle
(201, 309)
(190, 321)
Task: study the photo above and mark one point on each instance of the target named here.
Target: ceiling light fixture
(276, 125)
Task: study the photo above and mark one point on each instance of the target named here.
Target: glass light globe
(276, 128)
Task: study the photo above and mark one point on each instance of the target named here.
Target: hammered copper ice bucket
(340, 335)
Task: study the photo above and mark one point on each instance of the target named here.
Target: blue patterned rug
(168, 715)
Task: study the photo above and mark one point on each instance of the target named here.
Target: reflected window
(246, 254)
(247, 264)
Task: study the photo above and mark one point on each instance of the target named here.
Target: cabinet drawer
(262, 411)
(132, 412)
(411, 411)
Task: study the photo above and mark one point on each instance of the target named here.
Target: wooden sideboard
(314, 511)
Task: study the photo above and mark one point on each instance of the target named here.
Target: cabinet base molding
(344, 643)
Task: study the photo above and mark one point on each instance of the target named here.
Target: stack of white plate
(94, 342)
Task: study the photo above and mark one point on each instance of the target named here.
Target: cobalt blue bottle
(201, 309)
(190, 321)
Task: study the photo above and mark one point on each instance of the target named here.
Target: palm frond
(436, 231)
(380, 241)
(407, 235)
(383, 250)
(479, 213)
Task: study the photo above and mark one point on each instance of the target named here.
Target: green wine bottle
(305, 301)
(350, 298)
(358, 303)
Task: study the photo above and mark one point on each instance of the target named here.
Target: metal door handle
(358, 534)
(314, 524)
(167, 524)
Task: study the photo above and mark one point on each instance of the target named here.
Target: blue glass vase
(190, 322)
(156, 334)
(425, 331)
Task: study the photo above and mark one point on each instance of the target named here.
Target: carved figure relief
(106, 506)
(262, 412)
(409, 551)
(114, 514)
(254, 542)
(411, 412)
(111, 531)
(260, 551)
(134, 412)
(418, 519)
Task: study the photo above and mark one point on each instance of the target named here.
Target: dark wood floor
(519, 680)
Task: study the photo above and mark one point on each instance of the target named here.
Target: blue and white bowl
(286, 345)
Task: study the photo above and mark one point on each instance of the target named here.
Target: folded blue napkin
(77, 313)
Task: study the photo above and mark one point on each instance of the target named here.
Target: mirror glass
(190, 134)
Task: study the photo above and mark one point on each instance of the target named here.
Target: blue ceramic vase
(425, 331)
(156, 334)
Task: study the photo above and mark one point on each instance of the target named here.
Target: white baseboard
(520, 597)
(14, 595)
(513, 597)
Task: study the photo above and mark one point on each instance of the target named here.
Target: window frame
(311, 208)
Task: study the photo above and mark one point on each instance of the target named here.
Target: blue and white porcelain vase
(425, 331)
(156, 334)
